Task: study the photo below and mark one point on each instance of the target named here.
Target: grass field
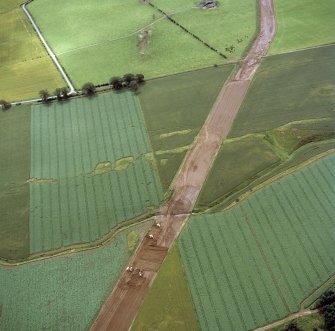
(25, 65)
(263, 257)
(235, 22)
(63, 293)
(168, 305)
(303, 23)
(305, 78)
(185, 101)
(91, 168)
(14, 190)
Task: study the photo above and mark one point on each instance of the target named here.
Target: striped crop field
(256, 263)
(91, 168)
(63, 293)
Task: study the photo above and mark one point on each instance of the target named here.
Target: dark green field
(289, 87)
(14, 189)
(293, 128)
(175, 108)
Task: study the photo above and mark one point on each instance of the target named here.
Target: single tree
(44, 94)
(88, 89)
(5, 105)
(140, 78)
(58, 93)
(65, 92)
(133, 86)
(116, 83)
(127, 78)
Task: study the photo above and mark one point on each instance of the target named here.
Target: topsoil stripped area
(120, 308)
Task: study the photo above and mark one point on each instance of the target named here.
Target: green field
(289, 129)
(168, 305)
(62, 293)
(102, 50)
(256, 263)
(185, 101)
(234, 20)
(245, 162)
(303, 23)
(238, 163)
(289, 87)
(91, 169)
(14, 190)
(25, 65)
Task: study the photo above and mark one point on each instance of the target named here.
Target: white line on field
(51, 53)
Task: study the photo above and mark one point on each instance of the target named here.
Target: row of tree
(129, 81)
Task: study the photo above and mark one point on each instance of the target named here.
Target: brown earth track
(120, 308)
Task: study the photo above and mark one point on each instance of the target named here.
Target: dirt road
(120, 308)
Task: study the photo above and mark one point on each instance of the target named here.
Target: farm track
(49, 50)
(121, 307)
(289, 318)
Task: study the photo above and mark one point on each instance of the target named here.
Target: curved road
(121, 307)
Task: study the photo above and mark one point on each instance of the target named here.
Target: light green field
(91, 169)
(63, 293)
(255, 263)
(104, 49)
(232, 23)
(168, 305)
(14, 190)
(25, 65)
(185, 101)
(303, 23)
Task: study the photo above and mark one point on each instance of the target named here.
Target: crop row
(257, 262)
(70, 138)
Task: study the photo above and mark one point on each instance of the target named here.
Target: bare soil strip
(121, 307)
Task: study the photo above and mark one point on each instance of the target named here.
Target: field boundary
(79, 248)
(186, 30)
(311, 298)
(48, 49)
(267, 182)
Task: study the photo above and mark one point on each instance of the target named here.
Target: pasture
(302, 24)
(305, 78)
(168, 305)
(231, 23)
(63, 293)
(25, 65)
(185, 101)
(263, 257)
(102, 50)
(91, 169)
(14, 189)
